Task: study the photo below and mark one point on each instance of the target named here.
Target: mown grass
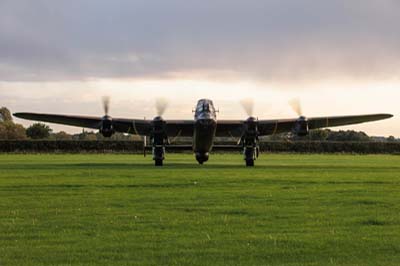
(121, 210)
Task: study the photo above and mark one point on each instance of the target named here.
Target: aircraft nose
(205, 116)
(204, 121)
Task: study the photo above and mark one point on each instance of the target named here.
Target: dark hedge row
(332, 147)
(70, 146)
(46, 146)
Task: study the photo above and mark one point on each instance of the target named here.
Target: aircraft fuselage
(205, 127)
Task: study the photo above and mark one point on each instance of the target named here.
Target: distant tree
(349, 135)
(85, 136)
(90, 136)
(121, 136)
(278, 137)
(391, 139)
(5, 115)
(323, 135)
(8, 129)
(62, 135)
(319, 134)
(11, 131)
(38, 131)
(3, 131)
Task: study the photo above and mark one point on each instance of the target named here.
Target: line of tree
(39, 131)
(330, 135)
(8, 129)
(98, 146)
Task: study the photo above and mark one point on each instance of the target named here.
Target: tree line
(137, 147)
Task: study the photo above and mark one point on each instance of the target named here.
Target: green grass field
(121, 210)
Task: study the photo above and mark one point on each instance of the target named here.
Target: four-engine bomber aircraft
(204, 128)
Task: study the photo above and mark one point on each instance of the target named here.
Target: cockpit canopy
(205, 109)
(205, 105)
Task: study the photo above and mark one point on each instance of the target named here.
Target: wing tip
(23, 115)
(387, 116)
(18, 115)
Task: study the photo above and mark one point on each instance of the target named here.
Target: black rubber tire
(201, 158)
(158, 162)
(250, 163)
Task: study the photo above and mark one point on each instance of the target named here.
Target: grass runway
(121, 210)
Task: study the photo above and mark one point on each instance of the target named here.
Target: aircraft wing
(78, 121)
(184, 128)
(270, 127)
(122, 125)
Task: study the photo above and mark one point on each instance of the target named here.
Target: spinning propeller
(250, 125)
(158, 125)
(161, 106)
(248, 106)
(301, 127)
(106, 104)
(296, 106)
(106, 125)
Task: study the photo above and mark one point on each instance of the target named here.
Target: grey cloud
(265, 40)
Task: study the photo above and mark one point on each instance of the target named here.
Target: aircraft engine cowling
(107, 127)
(251, 127)
(250, 141)
(301, 127)
(158, 134)
(250, 131)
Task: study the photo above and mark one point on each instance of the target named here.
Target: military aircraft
(203, 128)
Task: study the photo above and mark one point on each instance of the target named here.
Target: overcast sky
(340, 57)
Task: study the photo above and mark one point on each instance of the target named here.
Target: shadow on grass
(374, 222)
(368, 202)
(194, 166)
(80, 186)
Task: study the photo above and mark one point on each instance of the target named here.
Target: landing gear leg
(158, 155)
(250, 141)
(158, 162)
(250, 151)
(159, 139)
(250, 162)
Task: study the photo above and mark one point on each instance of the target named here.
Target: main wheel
(158, 162)
(201, 157)
(250, 162)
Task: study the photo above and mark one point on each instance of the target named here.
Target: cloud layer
(266, 40)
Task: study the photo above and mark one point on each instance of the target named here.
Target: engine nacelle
(249, 140)
(301, 127)
(250, 128)
(159, 132)
(107, 127)
(159, 139)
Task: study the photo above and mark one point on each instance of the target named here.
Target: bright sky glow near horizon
(338, 57)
